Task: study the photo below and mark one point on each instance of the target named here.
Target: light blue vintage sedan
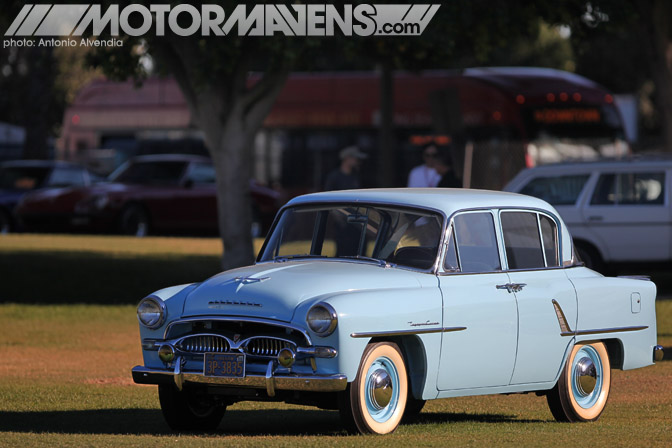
(373, 301)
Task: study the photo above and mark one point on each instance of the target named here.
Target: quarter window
(630, 189)
(476, 243)
(549, 235)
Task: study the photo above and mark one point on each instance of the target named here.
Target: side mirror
(189, 183)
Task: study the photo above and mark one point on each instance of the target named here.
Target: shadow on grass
(56, 277)
(286, 422)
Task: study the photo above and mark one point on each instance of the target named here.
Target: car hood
(274, 290)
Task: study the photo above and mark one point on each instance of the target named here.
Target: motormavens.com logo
(48, 20)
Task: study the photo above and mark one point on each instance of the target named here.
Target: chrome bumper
(658, 353)
(271, 382)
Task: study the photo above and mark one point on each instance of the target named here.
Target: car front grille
(257, 346)
(207, 343)
(263, 346)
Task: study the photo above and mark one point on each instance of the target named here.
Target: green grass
(65, 381)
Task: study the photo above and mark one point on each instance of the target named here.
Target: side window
(476, 242)
(521, 240)
(630, 189)
(202, 173)
(557, 190)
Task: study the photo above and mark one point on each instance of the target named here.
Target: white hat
(352, 151)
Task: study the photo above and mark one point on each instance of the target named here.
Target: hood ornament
(248, 280)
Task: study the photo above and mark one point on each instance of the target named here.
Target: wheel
(5, 222)
(583, 388)
(134, 221)
(376, 399)
(187, 411)
(590, 257)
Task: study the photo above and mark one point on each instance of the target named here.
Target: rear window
(557, 190)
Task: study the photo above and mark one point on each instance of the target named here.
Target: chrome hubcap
(380, 388)
(585, 374)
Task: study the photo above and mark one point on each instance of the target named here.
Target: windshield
(377, 233)
(150, 173)
(23, 177)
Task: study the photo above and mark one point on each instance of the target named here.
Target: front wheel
(187, 411)
(583, 388)
(376, 399)
(135, 221)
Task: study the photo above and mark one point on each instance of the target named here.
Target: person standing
(425, 175)
(346, 176)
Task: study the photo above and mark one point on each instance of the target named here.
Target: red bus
(509, 118)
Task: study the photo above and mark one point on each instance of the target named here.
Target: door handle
(595, 218)
(512, 287)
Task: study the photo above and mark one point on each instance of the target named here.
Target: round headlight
(322, 319)
(151, 312)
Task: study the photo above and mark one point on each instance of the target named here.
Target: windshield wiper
(378, 261)
(282, 258)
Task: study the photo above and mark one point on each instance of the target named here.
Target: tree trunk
(655, 18)
(229, 137)
(38, 102)
(386, 141)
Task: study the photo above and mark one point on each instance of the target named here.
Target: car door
(629, 213)
(542, 291)
(481, 352)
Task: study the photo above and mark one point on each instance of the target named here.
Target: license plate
(230, 365)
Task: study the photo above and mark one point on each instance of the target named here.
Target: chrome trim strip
(604, 330)
(253, 320)
(562, 320)
(375, 334)
(314, 383)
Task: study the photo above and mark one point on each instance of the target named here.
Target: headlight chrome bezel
(162, 312)
(323, 330)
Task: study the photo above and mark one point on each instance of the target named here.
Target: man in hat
(346, 177)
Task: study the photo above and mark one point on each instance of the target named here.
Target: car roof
(447, 200)
(607, 163)
(171, 158)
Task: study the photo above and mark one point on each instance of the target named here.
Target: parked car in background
(617, 210)
(158, 193)
(17, 178)
(373, 301)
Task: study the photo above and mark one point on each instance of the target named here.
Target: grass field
(65, 368)
(65, 381)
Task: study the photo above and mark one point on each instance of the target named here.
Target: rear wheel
(188, 411)
(5, 222)
(376, 399)
(135, 220)
(583, 388)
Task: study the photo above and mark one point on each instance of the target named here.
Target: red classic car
(157, 193)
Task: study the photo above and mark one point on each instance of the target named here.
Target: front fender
(365, 315)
